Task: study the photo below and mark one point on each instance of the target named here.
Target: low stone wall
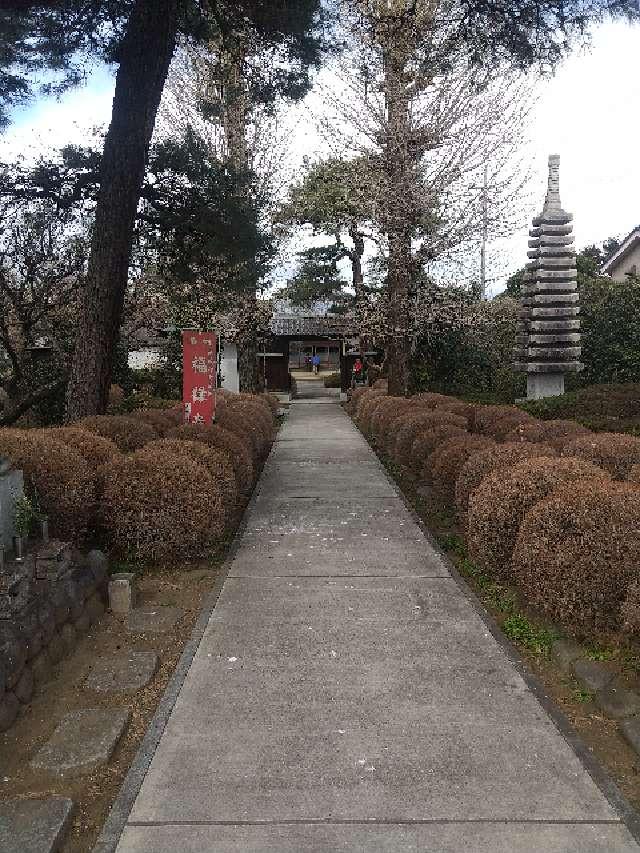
(47, 603)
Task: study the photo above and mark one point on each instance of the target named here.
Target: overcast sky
(589, 113)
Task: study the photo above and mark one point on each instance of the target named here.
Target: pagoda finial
(552, 200)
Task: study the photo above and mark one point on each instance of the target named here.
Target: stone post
(548, 333)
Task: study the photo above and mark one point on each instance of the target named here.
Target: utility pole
(485, 234)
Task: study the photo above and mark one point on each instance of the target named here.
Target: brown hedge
(126, 432)
(446, 461)
(578, 552)
(215, 461)
(365, 403)
(56, 476)
(482, 463)
(427, 441)
(161, 506)
(157, 419)
(417, 422)
(387, 411)
(557, 432)
(613, 451)
(500, 503)
(499, 429)
(486, 418)
(245, 427)
(94, 449)
(238, 449)
(630, 610)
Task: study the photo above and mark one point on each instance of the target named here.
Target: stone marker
(11, 490)
(34, 826)
(82, 742)
(124, 673)
(153, 620)
(122, 593)
(548, 332)
(617, 701)
(592, 675)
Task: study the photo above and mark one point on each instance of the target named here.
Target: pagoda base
(540, 385)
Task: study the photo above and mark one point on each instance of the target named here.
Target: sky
(588, 112)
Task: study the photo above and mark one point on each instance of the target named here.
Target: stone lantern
(548, 333)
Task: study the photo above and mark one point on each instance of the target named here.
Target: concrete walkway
(347, 696)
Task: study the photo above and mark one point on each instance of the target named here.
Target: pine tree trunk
(145, 56)
(235, 127)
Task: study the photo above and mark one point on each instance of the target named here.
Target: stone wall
(47, 603)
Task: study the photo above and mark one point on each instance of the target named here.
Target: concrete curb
(115, 823)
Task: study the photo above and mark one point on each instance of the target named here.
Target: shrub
(94, 449)
(414, 423)
(630, 609)
(447, 460)
(577, 554)
(354, 396)
(477, 466)
(116, 398)
(427, 441)
(604, 401)
(381, 385)
(386, 412)
(499, 504)
(56, 477)
(126, 432)
(364, 404)
(486, 417)
(217, 462)
(332, 380)
(557, 433)
(614, 452)
(244, 427)
(500, 428)
(273, 403)
(238, 449)
(157, 419)
(161, 506)
(446, 403)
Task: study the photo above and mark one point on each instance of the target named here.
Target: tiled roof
(297, 325)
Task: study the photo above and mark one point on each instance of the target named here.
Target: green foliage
(453, 543)
(471, 359)
(317, 278)
(332, 380)
(612, 408)
(164, 381)
(25, 515)
(521, 631)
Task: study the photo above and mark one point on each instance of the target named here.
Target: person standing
(316, 363)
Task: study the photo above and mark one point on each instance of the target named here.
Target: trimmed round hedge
(161, 506)
(384, 411)
(415, 423)
(446, 461)
(60, 481)
(501, 501)
(557, 432)
(427, 442)
(216, 462)
(577, 554)
(482, 463)
(238, 449)
(613, 451)
(126, 432)
(94, 449)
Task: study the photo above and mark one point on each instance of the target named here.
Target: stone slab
(432, 838)
(82, 742)
(592, 674)
(34, 826)
(153, 620)
(347, 553)
(123, 673)
(332, 482)
(617, 701)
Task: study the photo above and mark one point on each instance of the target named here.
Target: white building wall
(229, 366)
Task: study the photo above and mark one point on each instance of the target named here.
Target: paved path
(347, 696)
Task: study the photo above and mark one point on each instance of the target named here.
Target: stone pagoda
(548, 333)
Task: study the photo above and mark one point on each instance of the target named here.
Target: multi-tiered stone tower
(548, 334)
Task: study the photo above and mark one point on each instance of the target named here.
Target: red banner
(199, 377)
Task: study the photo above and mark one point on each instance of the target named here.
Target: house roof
(328, 326)
(629, 243)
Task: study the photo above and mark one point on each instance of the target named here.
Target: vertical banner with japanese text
(199, 377)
